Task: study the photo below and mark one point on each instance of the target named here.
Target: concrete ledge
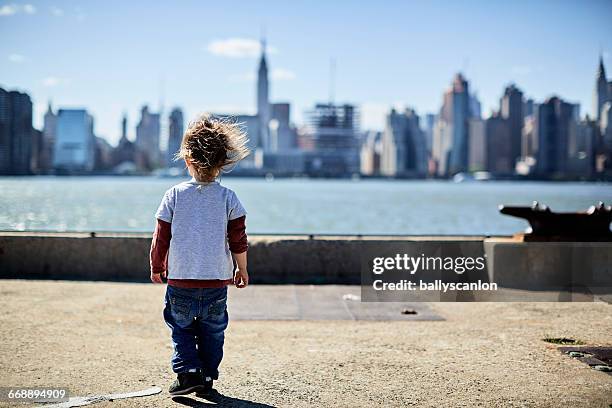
(315, 259)
(546, 265)
(308, 259)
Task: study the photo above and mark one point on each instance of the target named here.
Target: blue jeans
(197, 318)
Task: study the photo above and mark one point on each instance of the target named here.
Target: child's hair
(211, 145)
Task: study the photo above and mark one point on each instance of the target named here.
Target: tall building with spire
(48, 139)
(601, 93)
(124, 126)
(263, 100)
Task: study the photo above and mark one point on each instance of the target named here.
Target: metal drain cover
(598, 358)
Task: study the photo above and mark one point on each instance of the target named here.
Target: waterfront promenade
(100, 338)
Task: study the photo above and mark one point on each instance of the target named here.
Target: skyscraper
(404, 150)
(499, 144)
(282, 136)
(430, 120)
(455, 113)
(124, 121)
(175, 136)
(601, 92)
(334, 132)
(477, 145)
(16, 133)
(263, 100)
(147, 136)
(371, 152)
(75, 141)
(555, 119)
(48, 139)
(511, 109)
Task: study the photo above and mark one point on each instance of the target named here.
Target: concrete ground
(99, 338)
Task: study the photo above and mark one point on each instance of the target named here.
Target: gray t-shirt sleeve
(236, 210)
(166, 207)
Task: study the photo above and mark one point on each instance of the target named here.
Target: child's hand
(241, 279)
(157, 277)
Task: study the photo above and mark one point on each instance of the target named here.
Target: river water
(292, 205)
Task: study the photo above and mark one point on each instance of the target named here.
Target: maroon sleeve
(160, 246)
(236, 235)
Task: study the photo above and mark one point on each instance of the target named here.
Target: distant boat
(482, 176)
(476, 176)
(462, 177)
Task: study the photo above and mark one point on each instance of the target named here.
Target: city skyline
(299, 69)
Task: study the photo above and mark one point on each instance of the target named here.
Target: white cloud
(281, 74)
(57, 12)
(16, 58)
(8, 10)
(237, 48)
(12, 9)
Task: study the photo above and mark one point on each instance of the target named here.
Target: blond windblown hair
(213, 145)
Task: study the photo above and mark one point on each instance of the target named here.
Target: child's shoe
(186, 383)
(207, 388)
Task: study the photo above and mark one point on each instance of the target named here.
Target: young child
(200, 226)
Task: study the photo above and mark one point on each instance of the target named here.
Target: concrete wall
(125, 257)
(308, 259)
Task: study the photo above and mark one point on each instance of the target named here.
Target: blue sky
(115, 56)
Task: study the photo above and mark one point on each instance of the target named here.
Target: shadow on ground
(219, 400)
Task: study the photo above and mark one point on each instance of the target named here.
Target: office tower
(16, 133)
(605, 126)
(371, 153)
(511, 109)
(282, 135)
(263, 100)
(441, 147)
(475, 107)
(601, 93)
(175, 136)
(528, 108)
(48, 140)
(477, 145)
(75, 142)
(529, 144)
(499, 144)
(334, 131)
(147, 137)
(430, 120)
(455, 113)
(582, 152)
(404, 151)
(555, 119)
